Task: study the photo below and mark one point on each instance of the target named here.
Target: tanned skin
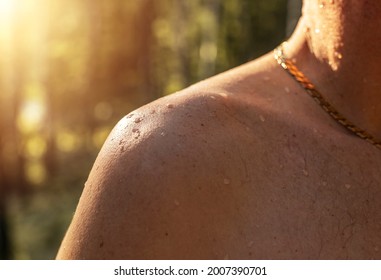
(246, 165)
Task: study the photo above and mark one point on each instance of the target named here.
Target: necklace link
(309, 87)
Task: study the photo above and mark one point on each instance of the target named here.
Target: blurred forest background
(70, 69)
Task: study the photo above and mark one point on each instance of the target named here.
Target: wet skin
(244, 165)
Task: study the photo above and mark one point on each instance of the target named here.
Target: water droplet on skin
(305, 172)
(377, 248)
(212, 97)
(317, 30)
(226, 181)
(266, 78)
(137, 120)
(333, 65)
(262, 118)
(348, 186)
(338, 55)
(250, 244)
(169, 106)
(324, 183)
(163, 133)
(286, 89)
(177, 203)
(135, 130)
(322, 5)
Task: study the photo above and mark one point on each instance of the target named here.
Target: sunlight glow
(7, 10)
(31, 116)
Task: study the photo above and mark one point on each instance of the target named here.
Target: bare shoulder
(162, 185)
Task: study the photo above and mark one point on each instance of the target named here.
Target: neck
(337, 46)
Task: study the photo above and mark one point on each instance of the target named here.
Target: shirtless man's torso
(244, 165)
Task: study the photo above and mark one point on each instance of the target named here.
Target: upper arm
(150, 194)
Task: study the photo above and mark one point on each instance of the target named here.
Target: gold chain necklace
(291, 68)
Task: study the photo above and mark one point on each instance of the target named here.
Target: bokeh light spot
(67, 141)
(35, 147)
(35, 172)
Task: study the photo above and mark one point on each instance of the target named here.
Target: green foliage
(70, 69)
(197, 39)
